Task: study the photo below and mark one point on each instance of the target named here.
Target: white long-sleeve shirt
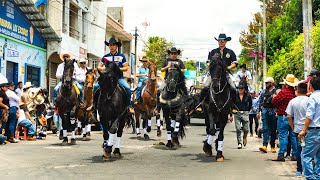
(14, 99)
(19, 91)
(81, 75)
(60, 69)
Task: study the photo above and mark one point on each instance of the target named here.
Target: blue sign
(15, 24)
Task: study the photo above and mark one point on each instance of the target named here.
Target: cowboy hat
(174, 50)
(291, 80)
(27, 85)
(144, 59)
(3, 81)
(113, 41)
(242, 85)
(223, 36)
(314, 72)
(65, 53)
(83, 60)
(269, 79)
(11, 83)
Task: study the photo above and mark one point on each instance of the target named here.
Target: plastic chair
(21, 129)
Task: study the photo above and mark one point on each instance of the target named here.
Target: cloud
(191, 25)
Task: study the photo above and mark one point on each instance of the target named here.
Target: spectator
(19, 89)
(281, 101)
(14, 100)
(296, 112)
(268, 111)
(4, 103)
(243, 102)
(253, 113)
(26, 120)
(311, 133)
(244, 74)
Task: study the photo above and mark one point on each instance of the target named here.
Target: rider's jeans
(29, 125)
(55, 90)
(139, 89)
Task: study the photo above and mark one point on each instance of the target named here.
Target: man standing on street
(243, 102)
(253, 113)
(281, 102)
(311, 133)
(19, 89)
(268, 111)
(296, 112)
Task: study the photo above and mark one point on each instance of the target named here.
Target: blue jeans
(311, 151)
(122, 82)
(269, 129)
(12, 119)
(55, 91)
(298, 155)
(138, 94)
(283, 130)
(3, 126)
(29, 125)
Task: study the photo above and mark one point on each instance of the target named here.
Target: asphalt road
(46, 159)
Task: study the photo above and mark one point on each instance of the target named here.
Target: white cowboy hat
(83, 60)
(27, 85)
(269, 79)
(65, 53)
(291, 80)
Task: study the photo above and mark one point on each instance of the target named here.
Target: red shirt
(282, 100)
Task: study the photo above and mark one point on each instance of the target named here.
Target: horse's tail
(183, 124)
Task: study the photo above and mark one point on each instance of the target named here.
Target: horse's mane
(213, 63)
(181, 75)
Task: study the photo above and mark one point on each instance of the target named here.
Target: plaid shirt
(282, 100)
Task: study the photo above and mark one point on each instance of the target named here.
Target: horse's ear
(94, 70)
(74, 60)
(149, 62)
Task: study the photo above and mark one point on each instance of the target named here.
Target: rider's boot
(233, 98)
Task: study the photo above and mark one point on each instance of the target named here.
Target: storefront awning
(37, 19)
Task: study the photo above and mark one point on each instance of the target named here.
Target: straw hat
(27, 85)
(83, 60)
(291, 80)
(269, 79)
(65, 53)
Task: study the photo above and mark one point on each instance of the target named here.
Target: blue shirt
(118, 58)
(143, 70)
(254, 108)
(313, 109)
(269, 111)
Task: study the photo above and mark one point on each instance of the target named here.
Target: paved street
(141, 159)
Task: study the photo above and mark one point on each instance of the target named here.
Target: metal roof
(37, 20)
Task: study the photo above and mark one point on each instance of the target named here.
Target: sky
(190, 25)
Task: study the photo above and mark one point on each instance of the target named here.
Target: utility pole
(135, 50)
(307, 26)
(264, 43)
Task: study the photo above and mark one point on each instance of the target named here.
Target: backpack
(267, 98)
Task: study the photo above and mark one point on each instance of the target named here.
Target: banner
(15, 24)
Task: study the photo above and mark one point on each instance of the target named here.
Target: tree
(157, 48)
(190, 65)
(274, 8)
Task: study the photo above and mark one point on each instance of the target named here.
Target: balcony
(74, 33)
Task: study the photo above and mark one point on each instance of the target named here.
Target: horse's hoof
(64, 142)
(146, 137)
(88, 134)
(85, 139)
(116, 153)
(106, 156)
(159, 133)
(73, 142)
(207, 148)
(221, 159)
(169, 145)
(149, 129)
(108, 149)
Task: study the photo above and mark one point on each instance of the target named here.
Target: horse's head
(90, 77)
(174, 77)
(68, 73)
(152, 70)
(217, 69)
(110, 76)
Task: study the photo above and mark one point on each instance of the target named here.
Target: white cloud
(191, 25)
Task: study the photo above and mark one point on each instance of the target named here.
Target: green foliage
(190, 65)
(157, 49)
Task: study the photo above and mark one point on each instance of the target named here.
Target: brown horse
(85, 113)
(148, 95)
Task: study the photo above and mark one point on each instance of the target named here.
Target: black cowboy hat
(174, 50)
(314, 72)
(11, 83)
(243, 66)
(242, 85)
(223, 37)
(113, 41)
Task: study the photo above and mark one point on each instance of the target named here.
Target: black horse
(219, 106)
(67, 102)
(172, 104)
(112, 107)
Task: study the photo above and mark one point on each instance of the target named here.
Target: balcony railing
(74, 33)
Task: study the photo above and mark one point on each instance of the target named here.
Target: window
(33, 75)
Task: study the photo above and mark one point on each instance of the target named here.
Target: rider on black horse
(229, 58)
(167, 64)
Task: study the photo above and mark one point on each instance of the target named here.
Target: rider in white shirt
(244, 73)
(59, 75)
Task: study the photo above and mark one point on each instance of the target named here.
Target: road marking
(69, 166)
(137, 147)
(57, 147)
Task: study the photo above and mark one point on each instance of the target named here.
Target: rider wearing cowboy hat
(244, 74)
(121, 61)
(228, 57)
(143, 72)
(66, 56)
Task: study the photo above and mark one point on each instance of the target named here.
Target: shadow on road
(200, 157)
(141, 138)
(99, 159)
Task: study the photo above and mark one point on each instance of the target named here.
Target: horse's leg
(158, 120)
(176, 127)
(137, 115)
(149, 116)
(73, 125)
(222, 123)
(116, 151)
(169, 125)
(105, 129)
(144, 126)
(207, 146)
(64, 129)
